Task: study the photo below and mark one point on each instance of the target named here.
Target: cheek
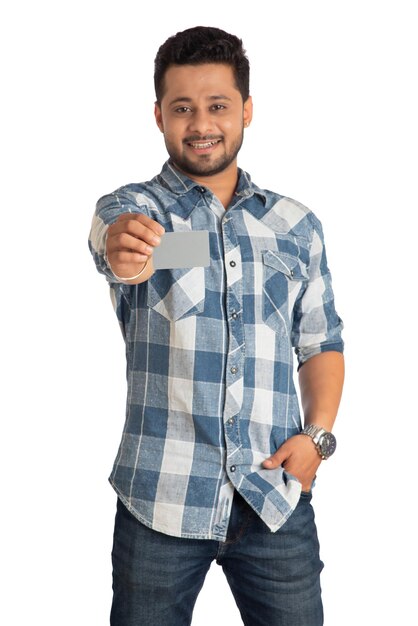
(232, 127)
(174, 132)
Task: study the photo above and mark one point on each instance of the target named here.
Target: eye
(182, 109)
(218, 107)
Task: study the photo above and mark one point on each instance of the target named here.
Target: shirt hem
(162, 529)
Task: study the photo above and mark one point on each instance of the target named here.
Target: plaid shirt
(210, 353)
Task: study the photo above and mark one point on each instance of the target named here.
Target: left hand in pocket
(299, 457)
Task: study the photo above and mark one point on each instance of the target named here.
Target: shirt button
(233, 468)
(231, 421)
(232, 263)
(234, 370)
(292, 273)
(234, 315)
(202, 189)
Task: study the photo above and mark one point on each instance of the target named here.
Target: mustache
(192, 138)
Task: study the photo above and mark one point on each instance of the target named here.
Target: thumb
(276, 459)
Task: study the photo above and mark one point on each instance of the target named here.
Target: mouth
(203, 146)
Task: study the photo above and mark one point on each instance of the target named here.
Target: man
(213, 462)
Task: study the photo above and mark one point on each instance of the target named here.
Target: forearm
(321, 381)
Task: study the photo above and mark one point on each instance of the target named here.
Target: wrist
(144, 271)
(323, 440)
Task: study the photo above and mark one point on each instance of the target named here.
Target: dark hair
(198, 45)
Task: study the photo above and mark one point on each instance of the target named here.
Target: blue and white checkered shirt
(210, 353)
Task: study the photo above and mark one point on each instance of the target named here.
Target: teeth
(200, 146)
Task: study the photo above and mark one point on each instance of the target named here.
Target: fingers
(277, 459)
(142, 219)
(130, 257)
(298, 457)
(137, 226)
(135, 235)
(296, 451)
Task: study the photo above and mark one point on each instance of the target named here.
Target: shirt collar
(181, 185)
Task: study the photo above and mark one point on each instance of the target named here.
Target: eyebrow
(187, 99)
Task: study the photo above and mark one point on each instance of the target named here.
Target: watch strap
(319, 435)
(315, 432)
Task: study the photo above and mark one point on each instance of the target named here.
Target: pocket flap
(287, 264)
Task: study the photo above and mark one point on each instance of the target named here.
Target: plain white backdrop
(335, 126)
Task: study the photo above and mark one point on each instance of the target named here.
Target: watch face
(327, 445)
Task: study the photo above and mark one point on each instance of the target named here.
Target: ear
(158, 117)
(248, 111)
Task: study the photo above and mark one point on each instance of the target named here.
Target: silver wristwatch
(324, 441)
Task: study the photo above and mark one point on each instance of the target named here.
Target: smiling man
(215, 461)
(203, 130)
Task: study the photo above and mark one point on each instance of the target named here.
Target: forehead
(193, 81)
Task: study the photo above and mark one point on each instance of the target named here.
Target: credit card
(182, 249)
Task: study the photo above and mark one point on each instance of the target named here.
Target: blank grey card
(183, 249)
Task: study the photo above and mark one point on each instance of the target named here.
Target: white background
(335, 126)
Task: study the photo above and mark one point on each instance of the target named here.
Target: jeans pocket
(284, 276)
(176, 294)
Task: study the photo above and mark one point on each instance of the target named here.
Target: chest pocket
(177, 293)
(284, 276)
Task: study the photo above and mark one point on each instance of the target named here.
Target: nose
(200, 122)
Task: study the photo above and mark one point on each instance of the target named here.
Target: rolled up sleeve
(316, 324)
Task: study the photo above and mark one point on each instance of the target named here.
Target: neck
(222, 185)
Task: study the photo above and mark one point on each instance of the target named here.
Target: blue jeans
(274, 577)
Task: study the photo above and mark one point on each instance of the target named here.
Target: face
(202, 116)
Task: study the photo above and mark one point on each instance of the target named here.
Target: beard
(204, 164)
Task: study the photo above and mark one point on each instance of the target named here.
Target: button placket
(235, 348)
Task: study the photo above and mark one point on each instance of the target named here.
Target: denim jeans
(274, 577)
